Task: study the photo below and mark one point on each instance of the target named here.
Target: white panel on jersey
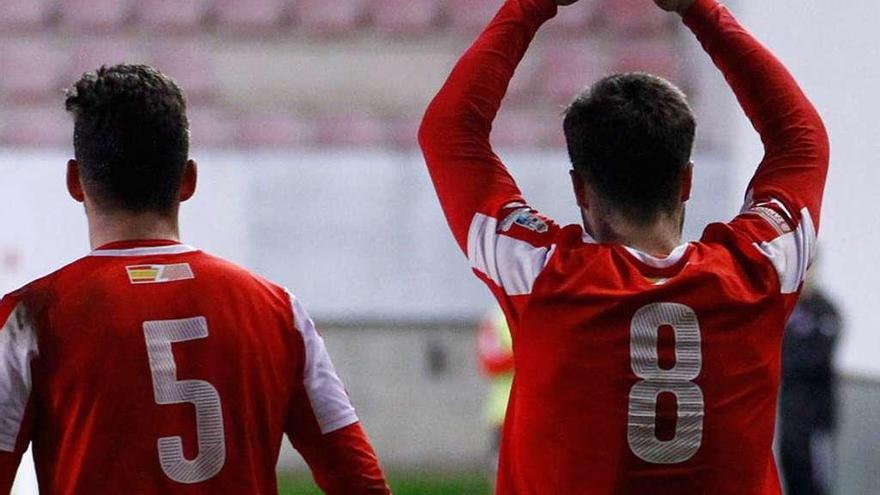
(330, 403)
(18, 347)
(792, 253)
(511, 263)
(144, 251)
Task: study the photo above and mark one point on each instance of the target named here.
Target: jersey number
(201, 394)
(643, 397)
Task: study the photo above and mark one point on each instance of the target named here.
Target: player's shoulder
(46, 282)
(221, 270)
(521, 222)
(39, 292)
(768, 235)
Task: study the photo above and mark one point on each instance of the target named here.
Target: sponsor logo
(153, 274)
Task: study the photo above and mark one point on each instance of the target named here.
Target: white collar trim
(145, 251)
(673, 258)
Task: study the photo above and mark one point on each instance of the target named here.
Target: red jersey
(635, 374)
(151, 367)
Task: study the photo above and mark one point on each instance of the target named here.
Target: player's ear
(687, 182)
(74, 184)
(580, 188)
(188, 182)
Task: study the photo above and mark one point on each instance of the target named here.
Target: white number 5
(645, 362)
(168, 390)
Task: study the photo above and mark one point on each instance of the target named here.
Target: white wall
(833, 48)
(358, 236)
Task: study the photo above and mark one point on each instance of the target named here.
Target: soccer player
(642, 364)
(149, 366)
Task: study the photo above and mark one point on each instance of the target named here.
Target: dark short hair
(631, 136)
(131, 137)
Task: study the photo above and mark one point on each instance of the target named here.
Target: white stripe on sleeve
(511, 263)
(792, 253)
(330, 402)
(18, 347)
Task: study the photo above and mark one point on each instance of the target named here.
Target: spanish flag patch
(154, 274)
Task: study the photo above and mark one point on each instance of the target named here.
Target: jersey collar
(654, 262)
(146, 247)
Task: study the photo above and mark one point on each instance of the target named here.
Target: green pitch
(401, 484)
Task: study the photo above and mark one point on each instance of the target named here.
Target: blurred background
(304, 116)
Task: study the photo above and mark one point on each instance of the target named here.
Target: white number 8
(169, 390)
(644, 359)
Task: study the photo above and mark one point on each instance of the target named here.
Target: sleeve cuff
(540, 10)
(698, 11)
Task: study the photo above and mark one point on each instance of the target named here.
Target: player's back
(161, 369)
(635, 373)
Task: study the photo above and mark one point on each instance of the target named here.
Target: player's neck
(107, 227)
(657, 239)
(657, 242)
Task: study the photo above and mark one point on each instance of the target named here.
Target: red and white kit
(151, 367)
(635, 374)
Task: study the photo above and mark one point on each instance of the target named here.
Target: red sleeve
(454, 136)
(781, 214)
(343, 462)
(322, 424)
(795, 141)
(17, 354)
(506, 242)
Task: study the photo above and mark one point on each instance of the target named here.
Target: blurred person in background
(495, 350)
(807, 395)
(149, 366)
(644, 364)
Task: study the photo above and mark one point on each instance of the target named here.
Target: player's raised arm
(454, 135)
(792, 173)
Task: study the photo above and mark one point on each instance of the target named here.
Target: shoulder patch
(526, 218)
(773, 217)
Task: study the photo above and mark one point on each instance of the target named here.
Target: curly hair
(631, 136)
(131, 137)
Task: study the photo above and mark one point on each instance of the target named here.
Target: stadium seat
(30, 71)
(172, 16)
(91, 55)
(191, 65)
(563, 72)
(20, 15)
(524, 129)
(324, 17)
(351, 130)
(574, 21)
(251, 16)
(212, 128)
(404, 17)
(40, 126)
(274, 130)
(656, 57)
(402, 132)
(469, 16)
(633, 16)
(95, 15)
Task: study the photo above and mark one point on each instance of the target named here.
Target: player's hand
(674, 5)
(565, 2)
